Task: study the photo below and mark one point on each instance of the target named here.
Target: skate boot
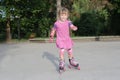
(61, 66)
(74, 64)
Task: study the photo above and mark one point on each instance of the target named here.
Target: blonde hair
(63, 10)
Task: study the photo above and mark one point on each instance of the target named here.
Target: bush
(2, 36)
(90, 24)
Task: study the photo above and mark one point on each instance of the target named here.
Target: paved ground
(39, 61)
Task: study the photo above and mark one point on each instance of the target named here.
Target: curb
(80, 39)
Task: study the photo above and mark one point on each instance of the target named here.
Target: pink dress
(63, 39)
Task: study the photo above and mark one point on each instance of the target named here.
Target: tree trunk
(8, 34)
(58, 7)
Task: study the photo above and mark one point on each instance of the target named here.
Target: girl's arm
(74, 28)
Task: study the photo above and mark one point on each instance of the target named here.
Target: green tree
(115, 17)
(34, 16)
(90, 16)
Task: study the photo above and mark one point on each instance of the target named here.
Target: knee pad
(69, 51)
(62, 51)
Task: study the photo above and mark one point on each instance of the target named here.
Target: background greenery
(22, 19)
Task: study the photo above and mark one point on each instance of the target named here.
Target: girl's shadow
(52, 58)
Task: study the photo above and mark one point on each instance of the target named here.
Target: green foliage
(116, 5)
(37, 16)
(32, 17)
(91, 18)
(2, 30)
(115, 17)
(90, 24)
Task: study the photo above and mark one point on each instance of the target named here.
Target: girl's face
(63, 16)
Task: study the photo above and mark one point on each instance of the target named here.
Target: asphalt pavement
(39, 61)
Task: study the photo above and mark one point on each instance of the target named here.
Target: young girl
(63, 40)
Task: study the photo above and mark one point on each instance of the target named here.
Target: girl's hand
(52, 35)
(51, 39)
(74, 28)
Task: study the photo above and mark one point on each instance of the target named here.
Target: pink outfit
(63, 39)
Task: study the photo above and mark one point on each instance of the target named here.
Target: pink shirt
(63, 39)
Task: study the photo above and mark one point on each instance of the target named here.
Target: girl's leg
(70, 54)
(61, 54)
(71, 58)
(62, 62)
